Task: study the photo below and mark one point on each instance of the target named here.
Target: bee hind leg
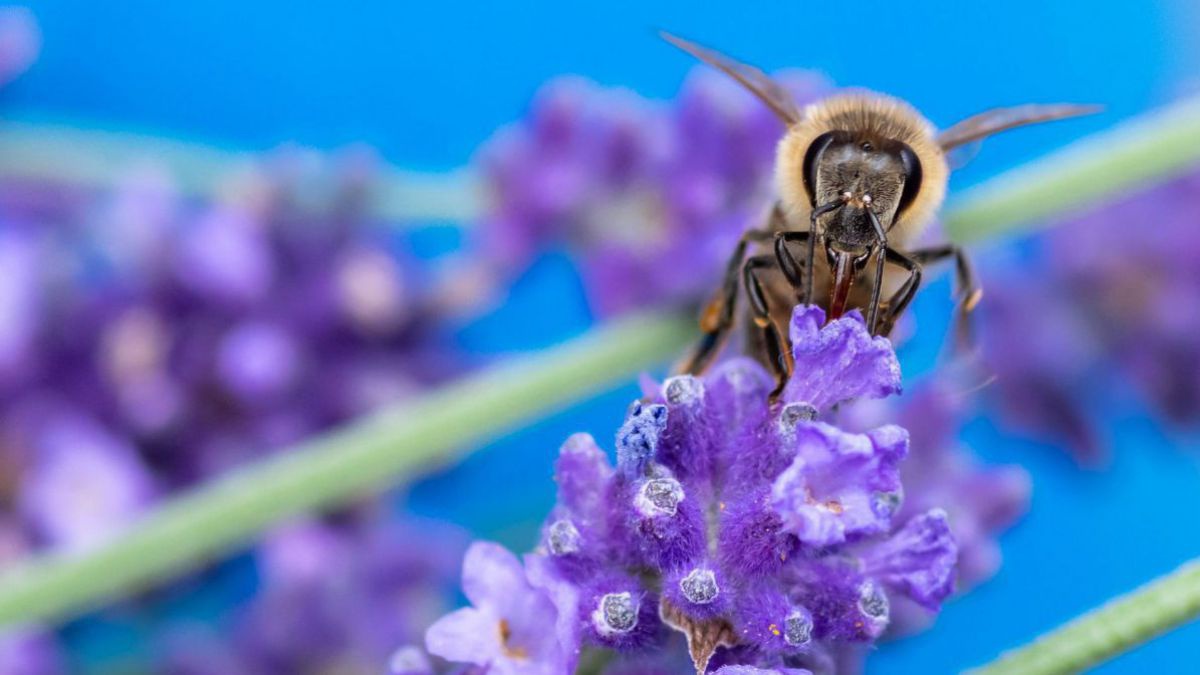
(718, 315)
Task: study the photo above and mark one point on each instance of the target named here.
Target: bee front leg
(880, 260)
(718, 315)
(779, 351)
(903, 295)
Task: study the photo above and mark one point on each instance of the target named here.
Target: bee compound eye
(912, 177)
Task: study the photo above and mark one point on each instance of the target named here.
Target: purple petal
(409, 660)
(565, 597)
(86, 483)
(492, 576)
(918, 560)
(839, 361)
(466, 635)
(583, 474)
(840, 485)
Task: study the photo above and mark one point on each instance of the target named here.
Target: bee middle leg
(969, 290)
(779, 353)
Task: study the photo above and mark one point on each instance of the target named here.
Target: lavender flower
(769, 537)
(20, 42)
(506, 628)
(980, 501)
(215, 331)
(625, 184)
(84, 483)
(336, 596)
(1100, 305)
(26, 651)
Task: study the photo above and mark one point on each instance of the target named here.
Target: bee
(858, 176)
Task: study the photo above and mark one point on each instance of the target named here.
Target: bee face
(869, 151)
(879, 174)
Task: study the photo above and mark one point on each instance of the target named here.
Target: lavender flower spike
(770, 538)
(506, 628)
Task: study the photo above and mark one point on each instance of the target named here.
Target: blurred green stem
(396, 445)
(77, 155)
(1149, 148)
(369, 455)
(1116, 627)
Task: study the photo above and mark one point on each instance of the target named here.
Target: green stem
(396, 445)
(1114, 628)
(1149, 148)
(99, 158)
(370, 455)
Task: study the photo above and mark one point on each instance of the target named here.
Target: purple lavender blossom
(84, 483)
(1037, 365)
(20, 300)
(753, 670)
(980, 501)
(505, 628)
(939, 473)
(409, 660)
(20, 42)
(625, 183)
(25, 651)
(768, 537)
(341, 597)
(1098, 305)
(149, 341)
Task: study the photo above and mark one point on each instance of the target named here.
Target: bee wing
(759, 83)
(1001, 119)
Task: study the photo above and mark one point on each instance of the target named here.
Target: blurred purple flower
(149, 340)
(1133, 304)
(766, 535)
(20, 304)
(409, 660)
(257, 361)
(84, 483)
(980, 501)
(626, 184)
(25, 651)
(341, 597)
(20, 42)
(225, 258)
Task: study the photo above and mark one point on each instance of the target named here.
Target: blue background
(427, 82)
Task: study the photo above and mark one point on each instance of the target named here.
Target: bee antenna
(754, 80)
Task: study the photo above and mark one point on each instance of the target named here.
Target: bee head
(867, 152)
(864, 172)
